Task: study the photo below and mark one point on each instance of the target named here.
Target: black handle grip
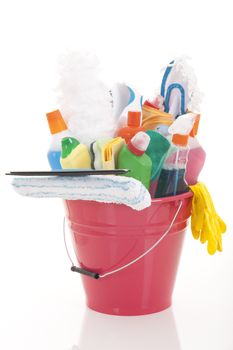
(85, 272)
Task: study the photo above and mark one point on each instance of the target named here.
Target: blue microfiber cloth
(100, 188)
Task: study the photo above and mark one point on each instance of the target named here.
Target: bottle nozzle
(184, 126)
(180, 140)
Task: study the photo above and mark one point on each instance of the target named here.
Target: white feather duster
(84, 100)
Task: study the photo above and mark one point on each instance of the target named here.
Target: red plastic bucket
(109, 236)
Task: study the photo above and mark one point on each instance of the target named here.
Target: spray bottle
(132, 156)
(172, 178)
(196, 156)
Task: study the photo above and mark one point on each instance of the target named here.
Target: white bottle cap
(140, 141)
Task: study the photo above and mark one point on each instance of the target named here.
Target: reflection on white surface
(156, 331)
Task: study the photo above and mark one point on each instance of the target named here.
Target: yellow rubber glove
(206, 224)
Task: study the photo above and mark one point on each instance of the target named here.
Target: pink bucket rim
(172, 198)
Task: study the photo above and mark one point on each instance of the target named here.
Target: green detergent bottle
(132, 156)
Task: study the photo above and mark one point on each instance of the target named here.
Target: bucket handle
(97, 275)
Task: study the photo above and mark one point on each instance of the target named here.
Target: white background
(42, 304)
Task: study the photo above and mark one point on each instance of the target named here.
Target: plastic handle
(168, 95)
(85, 272)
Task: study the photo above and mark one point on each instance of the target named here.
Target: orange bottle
(134, 126)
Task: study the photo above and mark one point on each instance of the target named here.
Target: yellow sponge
(110, 152)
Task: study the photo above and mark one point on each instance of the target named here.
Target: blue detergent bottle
(59, 130)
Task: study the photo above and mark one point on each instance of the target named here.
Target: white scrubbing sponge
(84, 100)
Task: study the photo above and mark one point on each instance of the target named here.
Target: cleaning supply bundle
(167, 159)
(103, 128)
(127, 171)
